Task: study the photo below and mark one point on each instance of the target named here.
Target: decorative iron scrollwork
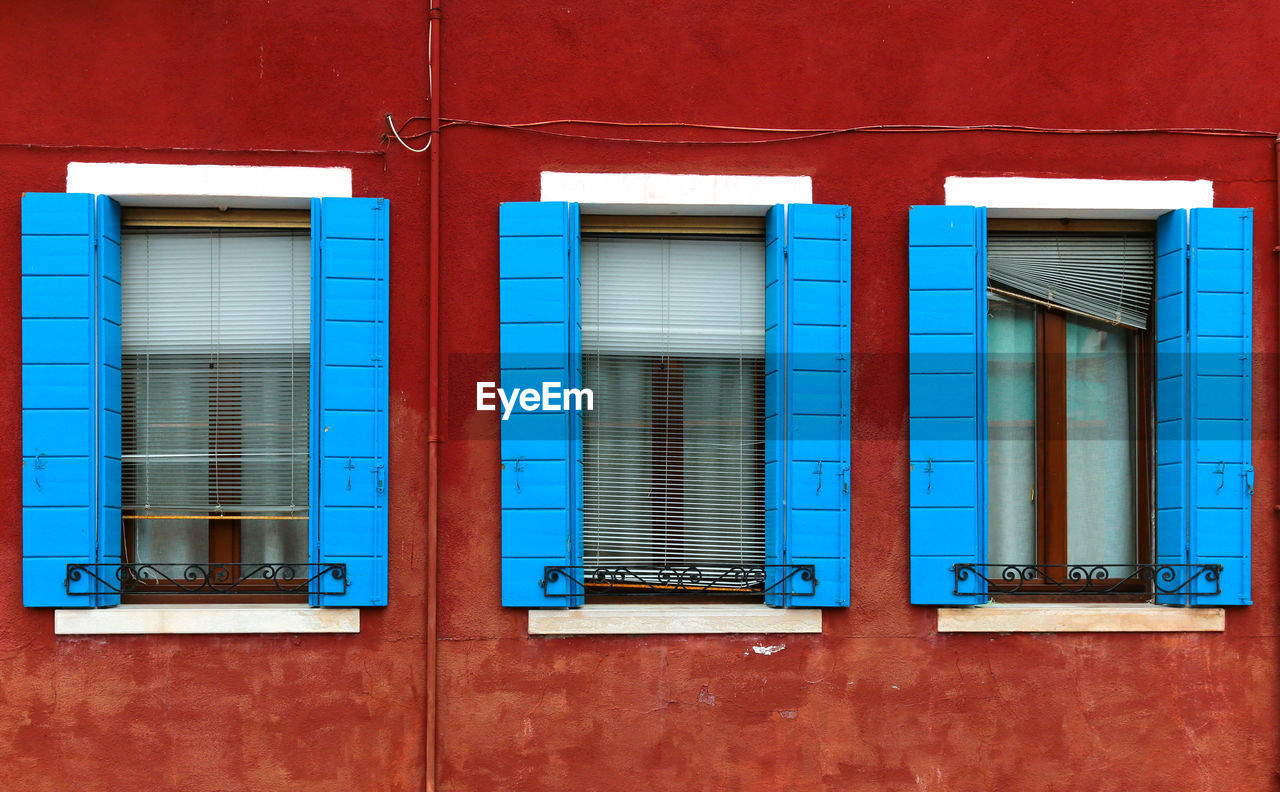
(1089, 579)
(798, 580)
(203, 578)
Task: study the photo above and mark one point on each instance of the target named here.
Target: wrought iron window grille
(681, 579)
(169, 579)
(1089, 579)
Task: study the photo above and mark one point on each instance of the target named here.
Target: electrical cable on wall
(431, 90)
(396, 133)
(785, 135)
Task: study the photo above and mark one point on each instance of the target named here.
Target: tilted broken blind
(216, 372)
(1108, 276)
(673, 348)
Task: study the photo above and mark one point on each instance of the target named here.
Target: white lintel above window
(1111, 199)
(675, 193)
(233, 186)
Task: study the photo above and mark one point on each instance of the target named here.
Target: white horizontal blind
(673, 347)
(216, 371)
(1108, 276)
(673, 296)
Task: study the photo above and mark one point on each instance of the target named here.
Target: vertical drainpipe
(433, 392)
(1276, 248)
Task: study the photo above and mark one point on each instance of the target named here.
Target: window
(215, 384)
(1069, 396)
(159, 381)
(673, 449)
(722, 363)
(1029, 407)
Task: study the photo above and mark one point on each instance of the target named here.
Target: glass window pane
(169, 542)
(1100, 514)
(1011, 428)
(273, 542)
(672, 347)
(215, 388)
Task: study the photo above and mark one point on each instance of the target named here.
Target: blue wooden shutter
(59, 397)
(109, 397)
(816, 374)
(541, 451)
(1220, 360)
(349, 348)
(948, 411)
(775, 295)
(1171, 398)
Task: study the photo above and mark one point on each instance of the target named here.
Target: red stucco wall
(879, 700)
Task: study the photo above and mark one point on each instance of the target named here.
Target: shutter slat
(59, 397)
(775, 402)
(541, 484)
(1220, 361)
(349, 464)
(815, 460)
(947, 403)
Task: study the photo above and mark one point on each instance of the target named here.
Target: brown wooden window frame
(1051, 431)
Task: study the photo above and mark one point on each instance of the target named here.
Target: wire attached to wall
(396, 133)
(788, 135)
(431, 92)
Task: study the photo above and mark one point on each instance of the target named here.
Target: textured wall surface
(879, 700)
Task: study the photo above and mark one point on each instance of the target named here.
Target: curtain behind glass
(1011, 427)
(1100, 514)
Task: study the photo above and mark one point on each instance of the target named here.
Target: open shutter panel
(109, 399)
(1171, 398)
(1220, 345)
(541, 472)
(349, 388)
(59, 398)
(816, 455)
(775, 292)
(947, 412)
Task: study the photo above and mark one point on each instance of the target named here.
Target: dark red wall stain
(879, 700)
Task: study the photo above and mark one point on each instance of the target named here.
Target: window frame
(1217, 245)
(729, 228)
(1051, 529)
(531, 235)
(360, 227)
(224, 532)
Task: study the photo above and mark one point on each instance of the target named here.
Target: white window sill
(204, 619)
(1083, 617)
(674, 619)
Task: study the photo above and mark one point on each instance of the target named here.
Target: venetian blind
(673, 452)
(1108, 276)
(216, 371)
